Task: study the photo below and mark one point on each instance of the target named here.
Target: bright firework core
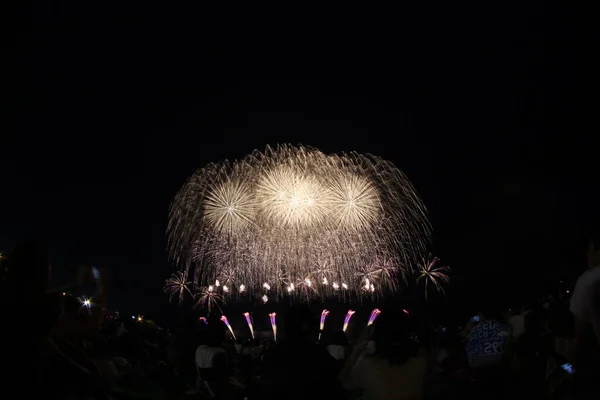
(295, 221)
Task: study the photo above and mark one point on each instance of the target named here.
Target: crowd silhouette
(54, 348)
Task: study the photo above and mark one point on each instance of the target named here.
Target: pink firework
(324, 315)
(249, 322)
(273, 318)
(226, 322)
(374, 314)
(349, 315)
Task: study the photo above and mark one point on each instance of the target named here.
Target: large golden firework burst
(294, 221)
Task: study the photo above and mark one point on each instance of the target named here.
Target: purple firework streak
(349, 315)
(224, 319)
(273, 317)
(324, 315)
(249, 322)
(374, 314)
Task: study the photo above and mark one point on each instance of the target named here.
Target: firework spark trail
(294, 213)
(226, 322)
(208, 298)
(273, 318)
(177, 286)
(374, 314)
(432, 272)
(249, 322)
(349, 315)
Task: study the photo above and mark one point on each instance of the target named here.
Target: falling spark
(431, 272)
(298, 209)
(266, 286)
(349, 315)
(225, 289)
(265, 298)
(272, 317)
(203, 319)
(224, 319)
(374, 314)
(249, 322)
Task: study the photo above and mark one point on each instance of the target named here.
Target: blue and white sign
(487, 339)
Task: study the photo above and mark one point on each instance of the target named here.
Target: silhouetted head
(25, 288)
(71, 305)
(215, 332)
(28, 271)
(392, 337)
(490, 308)
(130, 325)
(300, 324)
(340, 339)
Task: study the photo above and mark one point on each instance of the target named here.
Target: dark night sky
(483, 114)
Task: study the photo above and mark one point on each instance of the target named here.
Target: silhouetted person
(386, 363)
(33, 312)
(486, 346)
(585, 306)
(29, 308)
(338, 348)
(25, 289)
(37, 319)
(298, 368)
(212, 361)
